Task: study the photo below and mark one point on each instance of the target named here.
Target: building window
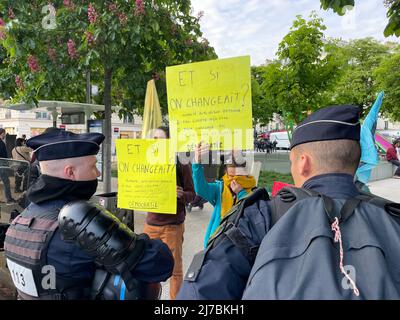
(386, 125)
(42, 115)
(8, 114)
(128, 119)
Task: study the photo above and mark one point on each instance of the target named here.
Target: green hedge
(267, 178)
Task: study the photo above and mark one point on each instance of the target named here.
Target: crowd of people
(265, 145)
(255, 247)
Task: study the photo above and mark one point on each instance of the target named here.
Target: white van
(281, 138)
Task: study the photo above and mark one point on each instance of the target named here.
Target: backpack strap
(289, 196)
(345, 212)
(390, 207)
(16, 150)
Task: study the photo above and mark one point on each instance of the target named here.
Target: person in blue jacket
(61, 231)
(332, 244)
(222, 194)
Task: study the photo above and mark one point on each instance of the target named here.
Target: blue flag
(369, 153)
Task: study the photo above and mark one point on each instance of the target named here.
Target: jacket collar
(334, 185)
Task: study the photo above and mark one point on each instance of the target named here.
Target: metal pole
(88, 98)
(88, 88)
(55, 115)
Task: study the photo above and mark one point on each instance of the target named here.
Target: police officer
(59, 242)
(321, 240)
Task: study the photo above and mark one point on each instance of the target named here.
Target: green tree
(336, 5)
(307, 68)
(357, 83)
(393, 13)
(388, 79)
(262, 111)
(52, 47)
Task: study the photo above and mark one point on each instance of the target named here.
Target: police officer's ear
(306, 167)
(302, 162)
(69, 172)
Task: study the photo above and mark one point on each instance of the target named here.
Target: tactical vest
(26, 247)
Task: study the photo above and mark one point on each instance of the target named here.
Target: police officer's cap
(60, 144)
(330, 123)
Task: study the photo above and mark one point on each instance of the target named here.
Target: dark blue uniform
(41, 235)
(225, 270)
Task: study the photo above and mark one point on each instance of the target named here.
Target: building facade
(31, 123)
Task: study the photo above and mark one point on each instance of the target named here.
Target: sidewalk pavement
(388, 189)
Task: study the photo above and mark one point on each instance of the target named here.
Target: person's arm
(131, 255)
(225, 269)
(156, 264)
(206, 190)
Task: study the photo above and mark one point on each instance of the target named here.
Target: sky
(256, 27)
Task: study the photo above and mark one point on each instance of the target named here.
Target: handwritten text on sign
(146, 175)
(211, 101)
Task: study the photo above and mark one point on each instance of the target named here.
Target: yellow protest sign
(146, 175)
(211, 101)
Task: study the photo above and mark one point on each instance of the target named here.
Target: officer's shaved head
(79, 168)
(333, 156)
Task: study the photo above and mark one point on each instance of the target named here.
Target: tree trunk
(107, 131)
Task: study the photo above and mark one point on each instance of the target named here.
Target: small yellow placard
(146, 175)
(211, 101)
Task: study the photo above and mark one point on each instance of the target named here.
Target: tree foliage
(393, 13)
(356, 85)
(262, 111)
(134, 40)
(387, 77)
(306, 68)
(51, 47)
(336, 5)
(314, 72)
